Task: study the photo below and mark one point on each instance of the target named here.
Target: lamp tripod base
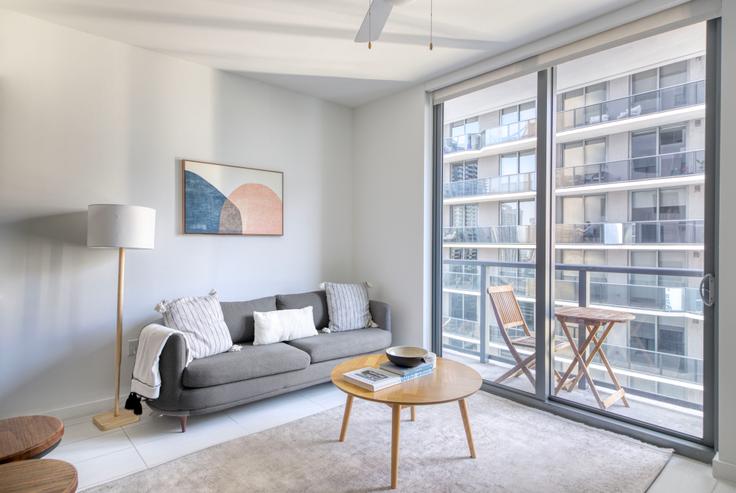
(108, 421)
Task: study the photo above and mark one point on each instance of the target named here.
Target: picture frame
(225, 199)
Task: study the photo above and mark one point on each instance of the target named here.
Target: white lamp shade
(120, 226)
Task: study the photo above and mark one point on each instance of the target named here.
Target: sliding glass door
(583, 197)
(494, 245)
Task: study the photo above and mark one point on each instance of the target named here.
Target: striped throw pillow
(348, 306)
(200, 320)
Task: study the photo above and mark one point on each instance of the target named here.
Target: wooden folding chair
(508, 316)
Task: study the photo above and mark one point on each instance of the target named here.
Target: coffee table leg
(466, 422)
(413, 413)
(395, 423)
(346, 417)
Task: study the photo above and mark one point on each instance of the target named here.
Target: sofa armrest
(171, 366)
(381, 314)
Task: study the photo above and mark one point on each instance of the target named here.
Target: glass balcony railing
(669, 374)
(490, 234)
(689, 231)
(642, 168)
(524, 182)
(667, 98)
(668, 299)
(680, 299)
(491, 136)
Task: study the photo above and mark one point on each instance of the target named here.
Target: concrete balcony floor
(647, 410)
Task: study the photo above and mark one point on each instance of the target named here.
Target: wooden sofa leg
(183, 421)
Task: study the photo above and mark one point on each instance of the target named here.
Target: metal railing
(523, 182)
(490, 234)
(667, 98)
(685, 231)
(641, 168)
(681, 372)
(491, 136)
(653, 297)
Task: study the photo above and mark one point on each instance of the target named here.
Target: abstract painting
(230, 200)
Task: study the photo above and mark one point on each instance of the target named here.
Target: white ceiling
(307, 45)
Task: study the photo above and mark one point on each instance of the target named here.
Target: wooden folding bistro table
(593, 319)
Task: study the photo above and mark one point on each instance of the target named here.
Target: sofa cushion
(325, 347)
(239, 316)
(316, 299)
(250, 362)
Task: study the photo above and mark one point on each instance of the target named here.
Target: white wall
(84, 120)
(390, 227)
(725, 464)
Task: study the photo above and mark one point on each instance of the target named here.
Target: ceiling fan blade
(379, 12)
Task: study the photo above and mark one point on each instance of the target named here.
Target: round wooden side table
(38, 476)
(29, 437)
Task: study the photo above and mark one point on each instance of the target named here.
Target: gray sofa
(257, 372)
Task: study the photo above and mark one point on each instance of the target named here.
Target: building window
(465, 170)
(646, 145)
(659, 205)
(464, 306)
(515, 163)
(464, 127)
(464, 216)
(518, 113)
(464, 254)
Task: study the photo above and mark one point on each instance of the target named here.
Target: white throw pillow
(283, 325)
(201, 322)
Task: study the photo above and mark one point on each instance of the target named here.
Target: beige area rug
(519, 450)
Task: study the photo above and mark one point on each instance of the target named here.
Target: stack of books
(387, 375)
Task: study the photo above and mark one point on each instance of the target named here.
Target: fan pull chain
(431, 14)
(369, 25)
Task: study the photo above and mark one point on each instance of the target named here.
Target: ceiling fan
(375, 19)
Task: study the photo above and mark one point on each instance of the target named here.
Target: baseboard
(80, 410)
(723, 470)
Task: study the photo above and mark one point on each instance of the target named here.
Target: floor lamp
(121, 227)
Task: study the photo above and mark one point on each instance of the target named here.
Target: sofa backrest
(239, 316)
(316, 299)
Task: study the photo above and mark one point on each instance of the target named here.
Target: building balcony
(486, 187)
(660, 100)
(666, 300)
(497, 235)
(687, 232)
(662, 166)
(491, 137)
(664, 388)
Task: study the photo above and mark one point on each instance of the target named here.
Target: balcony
(664, 388)
(524, 182)
(643, 168)
(668, 98)
(688, 231)
(681, 232)
(491, 136)
(500, 235)
(676, 299)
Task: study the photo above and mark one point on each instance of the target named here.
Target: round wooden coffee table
(29, 437)
(450, 381)
(38, 475)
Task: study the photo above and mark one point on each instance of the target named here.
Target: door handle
(707, 290)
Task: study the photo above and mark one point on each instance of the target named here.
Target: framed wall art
(221, 199)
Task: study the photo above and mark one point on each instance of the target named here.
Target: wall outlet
(132, 347)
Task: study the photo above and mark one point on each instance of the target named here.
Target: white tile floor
(103, 456)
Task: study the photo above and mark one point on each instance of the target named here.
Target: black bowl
(406, 356)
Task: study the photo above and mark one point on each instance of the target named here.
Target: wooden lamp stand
(117, 417)
(119, 226)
